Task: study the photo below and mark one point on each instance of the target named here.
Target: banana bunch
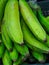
(23, 35)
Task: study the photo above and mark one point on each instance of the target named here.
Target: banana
(6, 59)
(0, 38)
(47, 43)
(6, 40)
(2, 7)
(23, 50)
(0, 27)
(32, 21)
(36, 49)
(29, 38)
(2, 49)
(43, 20)
(14, 54)
(12, 21)
(39, 56)
(20, 60)
(47, 18)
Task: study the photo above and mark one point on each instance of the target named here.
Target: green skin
(2, 49)
(31, 21)
(47, 17)
(12, 21)
(2, 8)
(47, 43)
(19, 61)
(30, 39)
(6, 59)
(23, 50)
(6, 40)
(0, 37)
(43, 20)
(36, 49)
(39, 56)
(14, 54)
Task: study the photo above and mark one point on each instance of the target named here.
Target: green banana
(43, 20)
(0, 27)
(20, 60)
(39, 56)
(6, 40)
(14, 54)
(23, 50)
(35, 13)
(47, 43)
(6, 59)
(29, 38)
(2, 49)
(36, 49)
(2, 7)
(32, 21)
(0, 38)
(47, 18)
(12, 21)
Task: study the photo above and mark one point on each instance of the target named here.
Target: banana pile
(23, 34)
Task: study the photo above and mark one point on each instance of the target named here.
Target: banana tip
(31, 60)
(42, 61)
(22, 44)
(24, 59)
(14, 60)
(0, 41)
(28, 55)
(45, 40)
(10, 50)
(48, 52)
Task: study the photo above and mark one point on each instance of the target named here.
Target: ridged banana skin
(31, 21)
(39, 56)
(30, 39)
(14, 54)
(19, 61)
(2, 49)
(43, 20)
(2, 8)
(6, 59)
(12, 21)
(23, 50)
(6, 40)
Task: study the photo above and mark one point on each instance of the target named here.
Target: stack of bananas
(22, 34)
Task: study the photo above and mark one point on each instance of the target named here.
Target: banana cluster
(23, 35)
